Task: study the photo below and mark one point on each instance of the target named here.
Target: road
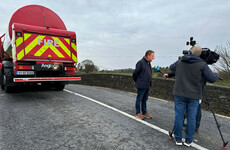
(93, 118)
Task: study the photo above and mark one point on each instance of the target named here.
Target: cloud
(115, 34)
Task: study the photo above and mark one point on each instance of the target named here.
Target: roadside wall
(162, 88)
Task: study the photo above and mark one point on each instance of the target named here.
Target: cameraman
(199, 113)
(191, 74)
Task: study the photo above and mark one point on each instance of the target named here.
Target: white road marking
(132, 117)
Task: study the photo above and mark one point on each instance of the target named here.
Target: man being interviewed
(191, 75)
(142, 76)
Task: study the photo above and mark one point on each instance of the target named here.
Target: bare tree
(223, 64)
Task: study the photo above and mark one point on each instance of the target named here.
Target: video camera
(210, 57)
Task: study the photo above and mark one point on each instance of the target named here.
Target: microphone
(220, 78)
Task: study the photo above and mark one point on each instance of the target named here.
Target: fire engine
(37, 49)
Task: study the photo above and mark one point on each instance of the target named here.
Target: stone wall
(162, 88)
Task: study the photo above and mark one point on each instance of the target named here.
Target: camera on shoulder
(210, 57)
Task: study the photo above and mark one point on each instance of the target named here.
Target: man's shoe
(147, 115)
(188, 144)
(178, 142)
(139, 116)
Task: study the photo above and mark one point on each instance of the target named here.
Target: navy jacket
(192, 72)
(142, 74)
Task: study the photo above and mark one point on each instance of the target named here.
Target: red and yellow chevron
(36, 46)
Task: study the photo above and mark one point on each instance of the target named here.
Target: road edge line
(132, 117)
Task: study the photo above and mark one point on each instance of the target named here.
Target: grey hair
(148, 52)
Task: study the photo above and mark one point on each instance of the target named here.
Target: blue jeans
(191, 106)
(142, 97)
(198, 117)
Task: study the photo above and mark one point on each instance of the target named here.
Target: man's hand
(165, 75)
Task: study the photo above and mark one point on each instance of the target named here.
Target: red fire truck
(37, 48)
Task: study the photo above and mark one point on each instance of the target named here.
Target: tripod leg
(170, 134)
(218, 126)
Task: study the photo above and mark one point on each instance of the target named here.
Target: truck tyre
(7, 88)
(1, 79)
(2, 87)
(7, 78)
(3, 82)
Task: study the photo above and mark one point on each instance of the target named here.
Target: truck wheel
(1, 80)
(8, 89)
(2, 87)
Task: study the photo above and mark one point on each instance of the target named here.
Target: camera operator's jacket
(192, 72)
(142, 75)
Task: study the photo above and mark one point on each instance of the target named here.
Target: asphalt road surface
(93, 118)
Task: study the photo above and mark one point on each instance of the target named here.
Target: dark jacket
(142, 74)
(191, 75)
(171, 74)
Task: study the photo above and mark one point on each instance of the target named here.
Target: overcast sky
(115, 34)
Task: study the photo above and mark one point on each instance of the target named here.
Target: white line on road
(132, 117)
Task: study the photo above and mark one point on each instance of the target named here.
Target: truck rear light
(25, 67)
(70, 68)
(72, 72)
